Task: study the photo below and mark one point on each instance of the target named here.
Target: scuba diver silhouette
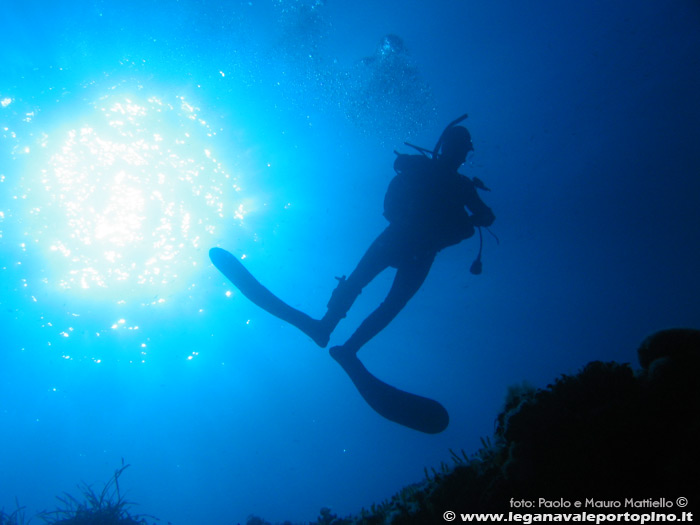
(425, 206)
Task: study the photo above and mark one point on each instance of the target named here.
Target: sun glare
(130, 197)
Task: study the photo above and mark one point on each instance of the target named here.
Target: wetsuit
(427, 214)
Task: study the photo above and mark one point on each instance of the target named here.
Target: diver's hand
(484, 218)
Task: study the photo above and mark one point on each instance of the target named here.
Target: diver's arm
(482, 215)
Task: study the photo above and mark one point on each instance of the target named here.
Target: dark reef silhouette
(606, 433)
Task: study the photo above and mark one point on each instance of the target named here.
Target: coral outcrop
(605, 433)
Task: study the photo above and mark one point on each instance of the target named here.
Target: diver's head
(455, 145)
(389, 47)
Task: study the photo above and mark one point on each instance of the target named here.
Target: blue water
(134, 136)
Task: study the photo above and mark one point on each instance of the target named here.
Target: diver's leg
(373, 262)
(408, 280)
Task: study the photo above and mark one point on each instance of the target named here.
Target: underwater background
(134, 136)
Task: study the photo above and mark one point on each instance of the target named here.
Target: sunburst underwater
(119, 206)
